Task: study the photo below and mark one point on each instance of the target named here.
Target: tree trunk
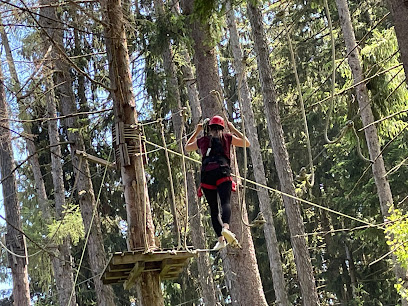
(399, 12)
(240, 265)
(140, 223)
(205, 275)
(192, 91)
(35, 164)
(257, 163)
(87, 202)
(15, 240)
(371, 135)
(302, 258)
(62, 270)
(351, 268)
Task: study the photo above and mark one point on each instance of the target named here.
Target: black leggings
(224, 192)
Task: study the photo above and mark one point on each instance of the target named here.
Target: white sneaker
(230, 237)
(220, 245)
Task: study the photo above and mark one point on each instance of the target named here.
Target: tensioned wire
(275, 190)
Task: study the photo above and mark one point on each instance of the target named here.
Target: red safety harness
(217, 183)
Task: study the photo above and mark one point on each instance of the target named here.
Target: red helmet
(218, 120)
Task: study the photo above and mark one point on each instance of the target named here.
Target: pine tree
(294, 218)
(367, 118)
(257, 162)
(15, 238)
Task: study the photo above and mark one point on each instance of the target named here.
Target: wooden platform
(125, 267)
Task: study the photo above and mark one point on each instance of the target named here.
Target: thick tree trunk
(257, 163)
(399, 12)
(192, 91)
(205, 275)
(302, 258)
(240, 265)
(371, 135)
(140, 223)
(14, 238)
(96, 252)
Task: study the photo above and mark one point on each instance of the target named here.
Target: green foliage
(396, 231)
(71, 226)
(389, 95)
(397, 234)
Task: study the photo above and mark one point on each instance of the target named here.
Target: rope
(17, 255)
(185, 187)
(89, 230)
(278, 191)
(381, 152)
(173, 196)
(218, 98)
(302, 107)
(240, 80)
(360, 154)
(146, 240)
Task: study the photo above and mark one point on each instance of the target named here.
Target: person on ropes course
(215, 147)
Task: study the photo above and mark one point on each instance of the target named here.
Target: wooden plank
(124, 259)
(134, 274)
(127, 266)
(131, 257)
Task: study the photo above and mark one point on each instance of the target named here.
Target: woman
(215, 147)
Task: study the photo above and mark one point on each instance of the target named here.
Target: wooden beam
(95, 159)
(134, 274)
(118, 268)
(171, 267)
(115, 275)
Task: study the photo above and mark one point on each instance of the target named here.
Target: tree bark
(35, 164)
(192, 91)
(294, 218)
(275, 262)
(87, 201)
(240, 265)
(399, 12)
(62, 269)
(367, 117)
(15, 240)
(205, 275)
(140, 223)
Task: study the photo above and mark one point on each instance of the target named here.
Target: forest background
(57, 98)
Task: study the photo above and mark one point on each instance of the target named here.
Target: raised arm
(238, 138)
(191, 144)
